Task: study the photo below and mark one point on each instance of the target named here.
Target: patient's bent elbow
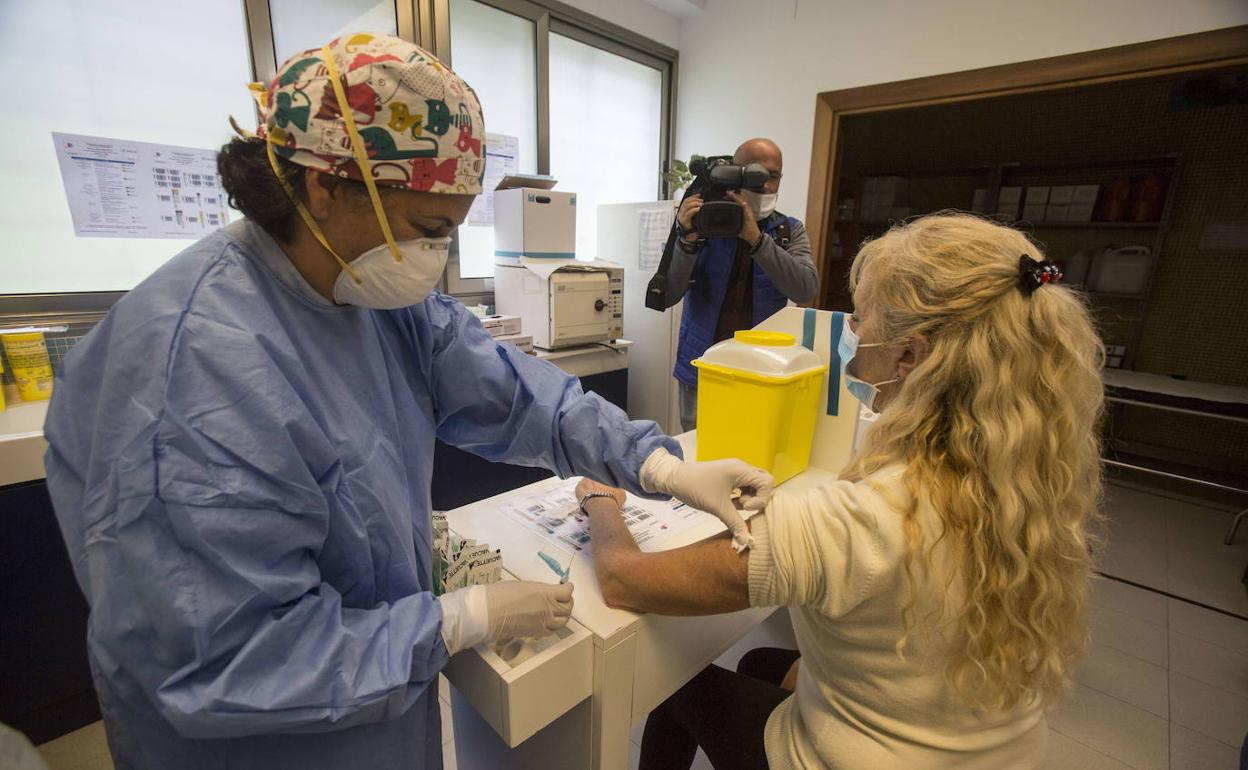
(611, 581)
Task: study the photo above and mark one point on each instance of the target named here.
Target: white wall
(754, 67)
(636, 16)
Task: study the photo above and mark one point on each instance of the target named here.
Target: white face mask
(385, 283)
(762, 203)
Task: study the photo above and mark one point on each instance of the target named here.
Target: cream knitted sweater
(835, 556)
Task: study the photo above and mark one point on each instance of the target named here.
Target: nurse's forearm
(705, 578)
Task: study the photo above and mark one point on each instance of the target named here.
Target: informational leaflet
(121, 189)
(653, 227)
(502, 158)
(556, 514)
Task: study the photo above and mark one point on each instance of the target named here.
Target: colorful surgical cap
(420, 123)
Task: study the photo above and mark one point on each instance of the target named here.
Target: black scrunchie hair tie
(1032, 274)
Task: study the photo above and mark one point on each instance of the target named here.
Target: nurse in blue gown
(240, 453)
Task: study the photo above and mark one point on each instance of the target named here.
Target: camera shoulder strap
(783, 234)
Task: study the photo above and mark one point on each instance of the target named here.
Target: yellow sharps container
(758, 398)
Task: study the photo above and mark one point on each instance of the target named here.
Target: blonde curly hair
(997, 427)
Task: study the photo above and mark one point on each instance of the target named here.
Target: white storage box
(538, 224)
(518, 701)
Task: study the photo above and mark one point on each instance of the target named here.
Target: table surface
(519, 543)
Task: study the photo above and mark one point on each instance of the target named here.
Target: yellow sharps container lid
(765, 339)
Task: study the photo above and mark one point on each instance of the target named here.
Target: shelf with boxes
(1103, 192)
(1104, 220)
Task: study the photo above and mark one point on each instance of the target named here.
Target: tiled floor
(1174, 544)
(1165, 684)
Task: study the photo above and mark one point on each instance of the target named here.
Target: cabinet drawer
(518, 700)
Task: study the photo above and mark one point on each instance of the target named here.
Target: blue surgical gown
(241, 472)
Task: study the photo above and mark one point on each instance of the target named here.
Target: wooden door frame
(1201, 51)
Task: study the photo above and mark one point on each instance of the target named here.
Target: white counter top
(484, 522)
(21, 442)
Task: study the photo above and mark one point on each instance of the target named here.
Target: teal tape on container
(537, 254)
(808, 328)
(834, 364)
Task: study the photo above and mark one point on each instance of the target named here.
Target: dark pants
(722, 712)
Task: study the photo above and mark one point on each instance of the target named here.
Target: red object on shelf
(1148, 197)
(1115, 203)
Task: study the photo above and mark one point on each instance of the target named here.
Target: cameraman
(735, 283)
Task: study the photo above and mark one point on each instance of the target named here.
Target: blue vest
(705, 297)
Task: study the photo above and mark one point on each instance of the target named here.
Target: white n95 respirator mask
(380, 281)
(762, 203)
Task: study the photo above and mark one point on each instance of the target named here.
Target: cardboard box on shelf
(1083, 202)
(1080, 212)
(1008, 201)
(1035, 201)
(499, 325)
(884, 190)
(1057, 213)
(524, 342)
(1086, 193)
(1062, 195)
(1058, 209)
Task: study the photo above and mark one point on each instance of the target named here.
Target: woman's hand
(587, 486)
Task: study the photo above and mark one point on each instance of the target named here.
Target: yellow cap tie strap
(361, 155)
(303, 212)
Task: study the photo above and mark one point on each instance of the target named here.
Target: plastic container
(758, 399)
(1121, 271)
(31, 365)
(1075, 268)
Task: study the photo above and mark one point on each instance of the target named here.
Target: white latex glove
(722, 487)
(502, 611)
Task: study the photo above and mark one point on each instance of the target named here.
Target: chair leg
(1230, 535)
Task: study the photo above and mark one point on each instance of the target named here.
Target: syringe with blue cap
(553, 563)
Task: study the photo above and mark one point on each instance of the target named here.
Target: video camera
(714, 178)
(719, 217)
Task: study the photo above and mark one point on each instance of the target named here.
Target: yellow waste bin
(758, 398)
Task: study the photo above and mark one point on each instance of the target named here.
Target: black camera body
(719, 217)
(713, 179)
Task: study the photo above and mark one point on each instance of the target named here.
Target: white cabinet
(651, 388)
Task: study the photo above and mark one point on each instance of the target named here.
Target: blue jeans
(688, 406)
